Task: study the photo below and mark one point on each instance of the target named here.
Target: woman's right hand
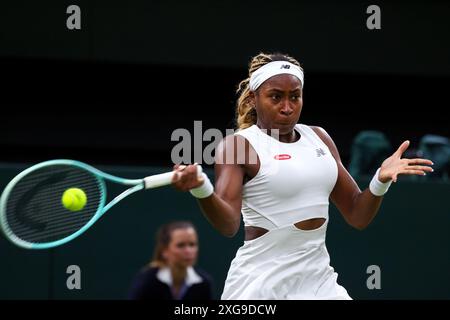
(186, 178)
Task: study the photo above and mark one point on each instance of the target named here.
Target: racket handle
(164, 179)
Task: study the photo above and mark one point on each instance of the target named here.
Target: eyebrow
(281, 91)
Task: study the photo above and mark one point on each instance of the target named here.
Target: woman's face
(182, 249)
(278, 103)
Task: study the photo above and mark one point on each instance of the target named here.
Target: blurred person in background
(171, 274)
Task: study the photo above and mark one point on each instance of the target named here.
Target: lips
(282, 157)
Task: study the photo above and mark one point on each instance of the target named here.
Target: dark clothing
(147, 286)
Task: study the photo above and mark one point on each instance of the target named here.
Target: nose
(286, 107)
(190, 251)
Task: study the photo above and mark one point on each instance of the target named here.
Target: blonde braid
(245, 110)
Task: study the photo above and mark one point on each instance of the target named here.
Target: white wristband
(377, 187)
(205, 190)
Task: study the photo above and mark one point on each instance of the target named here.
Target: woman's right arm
(223, 207)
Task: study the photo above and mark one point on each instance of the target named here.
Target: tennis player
(284, 194)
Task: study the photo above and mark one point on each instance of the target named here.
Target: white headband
(272, 69)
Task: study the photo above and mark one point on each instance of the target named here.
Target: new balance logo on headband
(271, 69)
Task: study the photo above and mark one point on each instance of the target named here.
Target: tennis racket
(32, 214)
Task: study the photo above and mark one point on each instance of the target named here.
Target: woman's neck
(178, 275)
(288, 137)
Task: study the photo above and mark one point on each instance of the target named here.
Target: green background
(409, 240)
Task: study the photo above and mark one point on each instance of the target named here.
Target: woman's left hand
(395, 165)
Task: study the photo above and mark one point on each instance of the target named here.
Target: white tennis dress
(293, 184)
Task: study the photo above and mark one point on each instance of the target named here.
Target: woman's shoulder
(203, 274)
(325, 138)
(230, 143)
(246, 132)
(309, 127)
(319, 131)
(147, 272)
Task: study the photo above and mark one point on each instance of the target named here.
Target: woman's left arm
(360, 207)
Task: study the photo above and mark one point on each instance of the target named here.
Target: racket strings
(34, 210)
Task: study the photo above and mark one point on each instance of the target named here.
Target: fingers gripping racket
(33, 210)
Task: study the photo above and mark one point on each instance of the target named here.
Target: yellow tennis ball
(74, 199)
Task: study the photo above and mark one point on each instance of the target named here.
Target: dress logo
(282, 157)
(320, 152)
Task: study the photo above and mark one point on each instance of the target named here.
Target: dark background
(112, 93)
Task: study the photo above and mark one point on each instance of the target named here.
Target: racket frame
(153, 181)
(136, 185)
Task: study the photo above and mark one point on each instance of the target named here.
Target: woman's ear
(252, 100)
(164, 254)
